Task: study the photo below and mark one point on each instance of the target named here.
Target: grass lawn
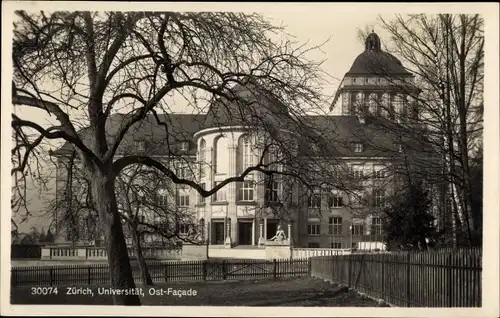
(284, 292)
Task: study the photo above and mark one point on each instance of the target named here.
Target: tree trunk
(120, 271)
(146, 277)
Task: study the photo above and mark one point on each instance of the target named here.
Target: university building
(209, 148)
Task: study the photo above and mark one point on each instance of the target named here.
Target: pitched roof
(333, 135)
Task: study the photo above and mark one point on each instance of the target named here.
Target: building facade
(211, 148)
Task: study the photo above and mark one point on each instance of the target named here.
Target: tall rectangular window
(219, 195)
(335, 226)
(273, 190)
(247, 153)
(182, 199)
(201, 198)
(162, 197)
(358, 229)
(378, 198)
(314, 199)
(357, 171)
(376, 227)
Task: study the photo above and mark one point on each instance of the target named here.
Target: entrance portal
(218, 236)
(245, 232)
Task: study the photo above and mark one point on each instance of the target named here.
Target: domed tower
(377, 84)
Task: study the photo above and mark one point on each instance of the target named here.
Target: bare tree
(446, 53)
(80, 67)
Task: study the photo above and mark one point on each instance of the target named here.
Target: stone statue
(280, 235)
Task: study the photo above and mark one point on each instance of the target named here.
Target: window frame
(313, 229)
(376, 227)
(335, 228)
(247, 191)
(314, 197)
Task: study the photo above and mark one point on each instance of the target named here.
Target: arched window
(202, 157)
(221, 155)
(245, 153)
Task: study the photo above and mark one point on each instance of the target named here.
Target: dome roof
(374, 61)
(261, 107)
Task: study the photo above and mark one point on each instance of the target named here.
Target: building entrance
(245, 232)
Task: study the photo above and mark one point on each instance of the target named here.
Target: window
(312, 245)
(354, 81)
(162, 197)
(357, 198)
(219, 195)
(202, 155)
(366, 80)
(182, 199)
(314, 200)
(246, 153)
(376, 225)
(357, 172)
(246, 191)
(358, 229)
(313, 229)
(184, 146)
(358, 147)
(379, 174)
(140, 145)
(273, 190)
(335, 245)
(202, 198)
(335, 226)
(220, 155)
(378, 198)
(182, 172)
(335, 200)
(373, 104)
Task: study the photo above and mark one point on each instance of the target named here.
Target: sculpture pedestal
(228, 243)
(261, 242)
(278, 249)
(194, 251)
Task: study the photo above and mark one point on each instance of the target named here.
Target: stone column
(253, 231)
(262, 240)
(290, 233)
(265, 228)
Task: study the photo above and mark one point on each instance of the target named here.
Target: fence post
(51, 276)
(274, 268)
(89, 275)
(166, 272)
(349, 272)
(224, 270)
(408, 283)
(205, 269)
(382, 261)
(449, 283)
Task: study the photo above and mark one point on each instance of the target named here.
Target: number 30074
(44, 291)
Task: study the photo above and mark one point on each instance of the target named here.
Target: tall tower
(377, 84)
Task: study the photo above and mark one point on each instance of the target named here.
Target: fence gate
(222, 270)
